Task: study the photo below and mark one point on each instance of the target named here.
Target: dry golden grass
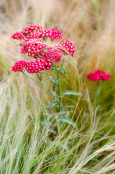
(90, 25)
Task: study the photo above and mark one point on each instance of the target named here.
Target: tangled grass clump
(57, 121)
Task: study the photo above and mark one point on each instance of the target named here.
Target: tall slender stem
(59, 84)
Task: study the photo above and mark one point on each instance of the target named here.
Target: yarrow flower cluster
(32, 43)
(68, 46)
(98, 75)
(32, 66)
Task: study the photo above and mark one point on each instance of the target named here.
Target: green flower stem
(98, 93)
(36, 80)
(32, 78)
(59, 85)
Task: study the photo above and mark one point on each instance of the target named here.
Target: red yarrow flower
(98, 75)
(18, 35)
(32, 43)
(33, 66)
(36, 31)
(19, 66)
(69, 46)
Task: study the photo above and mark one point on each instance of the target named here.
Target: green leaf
(50, 106)
(68, 121)
(53, 80)
(55, 95)
(39, 77)
(54, 86)
(71, 93)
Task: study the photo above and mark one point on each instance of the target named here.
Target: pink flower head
(27, 31)
(107, 76)
(18, 35)
(31, 29)
(34, 66)
(55, 53)
(19, 66)
(98, 75)
(33, 43)
(54, 34)
(69, 46)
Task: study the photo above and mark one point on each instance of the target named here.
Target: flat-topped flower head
(33, 43)
(69, 46)
(33, 66)
(31, 29)
(54, 34)
(98, 75)
(19, 66)
(18, 35)
(36, 31)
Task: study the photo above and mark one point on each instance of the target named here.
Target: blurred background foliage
(29, 138)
